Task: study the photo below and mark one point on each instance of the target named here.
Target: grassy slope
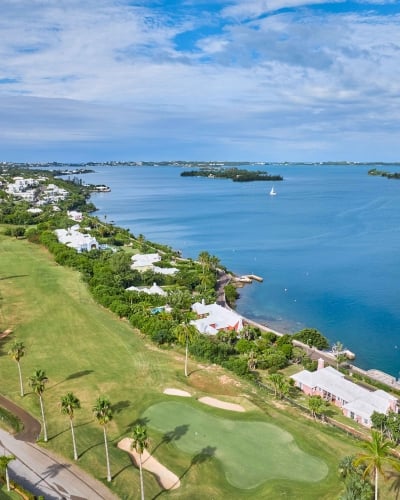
(85, 349)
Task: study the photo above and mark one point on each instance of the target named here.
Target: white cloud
(108, 73)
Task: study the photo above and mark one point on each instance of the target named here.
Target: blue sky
(262, 80)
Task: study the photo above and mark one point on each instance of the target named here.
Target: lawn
(250, 452)
(85, 349)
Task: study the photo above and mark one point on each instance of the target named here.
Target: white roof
(378, 401)
(165, 270)
(332, 381)
(142, 260)
(218, 318)
(74, 239)
(153, 290)
(357, 399)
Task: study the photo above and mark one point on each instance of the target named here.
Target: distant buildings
(35, 190)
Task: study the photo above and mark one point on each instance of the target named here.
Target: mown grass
(85, 349)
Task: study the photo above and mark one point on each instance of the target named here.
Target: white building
(153, 290)
(145, 262)
(77, 240)
(212, 318)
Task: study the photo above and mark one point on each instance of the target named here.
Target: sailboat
(272, 192)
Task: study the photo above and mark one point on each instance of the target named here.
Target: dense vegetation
(235, 174)
(382, 173)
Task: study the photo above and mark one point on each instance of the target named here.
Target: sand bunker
(177, 392)
(221, 404)
(167, 479)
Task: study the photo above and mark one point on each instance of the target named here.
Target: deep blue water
(327, 245)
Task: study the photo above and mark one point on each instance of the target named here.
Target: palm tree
(277, 380)
(205, 260)
(16, 352)
(103, 413)
(186, 333)
(69, 403)
(140, 441)
(375, 457)
(38, 381)
(4, 461)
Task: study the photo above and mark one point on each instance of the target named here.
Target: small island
(382, 173)
(236, 174)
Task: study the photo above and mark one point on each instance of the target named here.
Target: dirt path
(31, 426)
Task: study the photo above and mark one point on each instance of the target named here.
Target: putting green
(250, 452)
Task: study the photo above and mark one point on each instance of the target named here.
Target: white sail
(272, 192)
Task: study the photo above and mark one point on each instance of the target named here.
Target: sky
(254, 80)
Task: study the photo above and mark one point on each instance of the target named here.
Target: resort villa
(212, 318)
(73, 238)
(355, 401)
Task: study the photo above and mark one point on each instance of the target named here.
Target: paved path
(31, 426)
(41, 471)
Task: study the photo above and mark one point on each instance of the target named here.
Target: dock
(247, 278)
(255, 277)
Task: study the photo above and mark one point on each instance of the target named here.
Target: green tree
(375, 457)
(317, 405)
(140, 441)
(17, 352)
(38, 382)
(70, 403)
(186, 334)
(4, 461)
(279, 383)
(103, 413)
(312, 337)
(205, 260)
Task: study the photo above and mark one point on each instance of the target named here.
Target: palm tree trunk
(20, 380)
(44, 420)
(7, 479)
(186, 358)
(376, 483)
(73, 440)
(141, 477)
(107, 458)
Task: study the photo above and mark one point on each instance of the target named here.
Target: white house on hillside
(145, 262)
(77, 240)
(211, 318)
(74, 215)
(153, 290)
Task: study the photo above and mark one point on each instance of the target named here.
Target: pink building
(355, 401)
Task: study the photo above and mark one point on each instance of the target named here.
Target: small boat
(272, 192)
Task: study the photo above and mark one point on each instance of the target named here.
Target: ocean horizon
(326, 245)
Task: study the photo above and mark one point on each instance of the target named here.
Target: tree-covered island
(383, 173)
(236, 174)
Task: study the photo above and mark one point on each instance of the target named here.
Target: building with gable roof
(355, 401)
(212, 318)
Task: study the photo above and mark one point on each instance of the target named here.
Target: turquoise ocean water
(327, 245)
